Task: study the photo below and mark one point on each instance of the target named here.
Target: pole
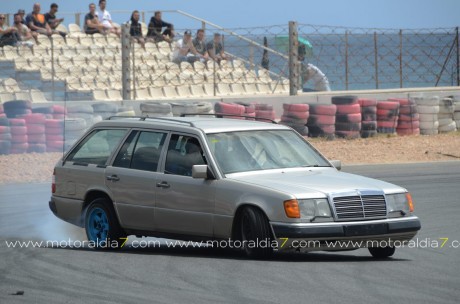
(293, 59)
(125, 62)
(376, 61)
(77, 19)
(458, 58)
(53, 72)
(400, 59)
(346, 60)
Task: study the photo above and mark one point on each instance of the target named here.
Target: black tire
(254, 227)
(382, 252)
(115, 235)
(344, 100)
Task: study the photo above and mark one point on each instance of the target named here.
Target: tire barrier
(17, 108)
(408, 119)
(321, 120)
(428, 109)
(124, 111)
(249, 110)
(446, 116)
(179, 108)
(54, 133)
(230, 109)
(19, 138)
(5, 136)
(35, 128)
(156, 109)
(369, 117)
(265, 111)
(296, 117)
(387, 116)
(348, 117)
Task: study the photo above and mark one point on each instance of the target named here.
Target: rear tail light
(53, 182)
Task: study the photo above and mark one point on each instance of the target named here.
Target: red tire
(229, 108)
(296, 107)
(387, 112)
(19, 139)
(363, 102)
(387, 124)
(349, 109)
(54, 123)
(35, 118)
(17, 122)
(36, 129)
(405, 117)
(388, 105)
(349, 118)
(321, 120)
(54, 137)
(328, 129)
(320, 109)
(18, 130)
(57, 109)
(269, 114)
(296, 115)
(263, 107)
(4, 129)
(36, 138)
(402, 101)
(409, 124)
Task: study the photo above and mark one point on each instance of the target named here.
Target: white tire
(456, 116)
(429, 131)
(429, 125)
(149, 114)
(445, 122)
(183, 108)
(446, 109)
(428, 109)
(457, 106)
(126, 113)
(444, 115)
(428, 101)
(428, 117)
(448, 128)
(155, 107)
(458, 123)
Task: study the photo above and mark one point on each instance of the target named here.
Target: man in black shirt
(200, 44)
(92, 24)
(156, 25)
(51, 19)
(216, 49)
(136, 29)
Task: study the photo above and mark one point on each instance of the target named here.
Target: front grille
(360, 206)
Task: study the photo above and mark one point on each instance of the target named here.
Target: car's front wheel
(382, 252)
(102, 227)
(255, 233)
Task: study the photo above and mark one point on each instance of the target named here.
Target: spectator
(185, 51)
(156, 25)
(22, 13)
(8, 35)
(200, 44)
(106, 19)
(311, 72)
(24, 34)
(136, 29)
(216, 50)
(36, 22)
(169, 33)
(50, 17)
(92, 24)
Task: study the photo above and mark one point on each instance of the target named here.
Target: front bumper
(320, 236)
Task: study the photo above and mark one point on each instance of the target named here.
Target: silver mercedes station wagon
(259, 186)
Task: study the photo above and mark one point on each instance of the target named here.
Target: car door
(184, 205)
(131, 179)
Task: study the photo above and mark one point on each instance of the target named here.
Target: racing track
(202, 275)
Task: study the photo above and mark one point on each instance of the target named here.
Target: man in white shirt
(185, 51)
(106, 19)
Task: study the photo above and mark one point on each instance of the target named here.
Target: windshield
(262, 150)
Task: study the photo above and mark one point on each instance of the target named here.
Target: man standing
(200, 44)
(156, 25)
(37, 23)
(216, 49)
(24, 34)
(106, 19)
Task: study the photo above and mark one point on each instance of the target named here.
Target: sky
(405, 14)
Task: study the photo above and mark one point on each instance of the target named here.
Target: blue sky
(250, 13)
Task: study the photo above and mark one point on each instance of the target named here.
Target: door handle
(163, 185)
(113, 178)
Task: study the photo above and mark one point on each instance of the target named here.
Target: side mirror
(337, 164)
(201, 171)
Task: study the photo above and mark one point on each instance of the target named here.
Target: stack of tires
(348, 117)
(59, 112)
(264, 112)
(47, 111)
(296, 117)
(457, 112)
(35, 124)
(124, 111)
(249, 110)
(224, 108)
(446, 116)
(156, 109)
(387, 116)
(5, 135)
(321, 120)
(408, 119)
(368, 117)
(17, 108)
(73, 130)
(54, 133)
(83, 111)
(105, 110)
(180, 108)
(428, 109)
(19, 139)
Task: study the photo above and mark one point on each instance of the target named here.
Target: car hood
(313, 182)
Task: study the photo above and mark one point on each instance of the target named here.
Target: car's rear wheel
(382, 252)
(102, 227)
(255, 233)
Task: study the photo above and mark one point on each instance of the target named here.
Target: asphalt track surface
(427, 274)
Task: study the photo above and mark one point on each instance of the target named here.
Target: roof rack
(222, 115)
(143, 118)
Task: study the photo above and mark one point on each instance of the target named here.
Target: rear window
(97, 147)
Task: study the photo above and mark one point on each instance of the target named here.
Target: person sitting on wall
(8, 35)
(23, 32)
(92, 24)
(216, 49)
(156, 25)
(311, 72)
(51, 19)
(169, 34)
(136, 29)
(106, 19)
(200, 44)
(22, 13)
(37, 23)
(184, 50)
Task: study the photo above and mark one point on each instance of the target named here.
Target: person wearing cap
(156, 25)
(184, 50)
(37, 23)
(216, 49)
(310, 72)
(22, 13)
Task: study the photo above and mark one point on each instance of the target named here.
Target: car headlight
(400, 203)
(313, 208)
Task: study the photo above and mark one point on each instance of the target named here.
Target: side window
(141, 151)
(183, 153)
(97, 147)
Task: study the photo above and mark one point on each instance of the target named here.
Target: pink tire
(387, 124)
(18, 130)
(349, 109)
(296, 107)
(35, 118)
(354, 118)
(36, 138)
(36, 129)
(19, 139)
(229, 108)
(263, 107)
(402, 101)
(408, 109)
(37, 148)
(321, 119)
(388, 105)
(17, 122)
(409, 124)
(268, 114)
(54, 123)
(320, 109)
(54, 144)
(57, 109)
